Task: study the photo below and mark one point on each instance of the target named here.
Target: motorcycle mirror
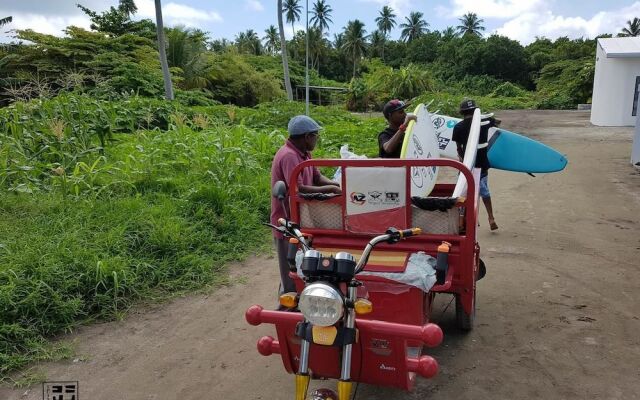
(279, 190)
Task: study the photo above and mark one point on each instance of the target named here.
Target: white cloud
(503, 9)
(176, 13)
(253, 5)
(527, 26)
(51, 25)
(400, 7)
(173, 14)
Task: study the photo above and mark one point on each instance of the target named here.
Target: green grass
(104, 204)
(98, 212)
(448, 103)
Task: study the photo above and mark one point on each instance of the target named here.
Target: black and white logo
(438, 122)
(392, 197)
(375, 197)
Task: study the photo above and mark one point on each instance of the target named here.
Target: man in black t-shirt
(390, 140)
(460, 136)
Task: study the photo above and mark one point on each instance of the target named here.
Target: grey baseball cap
(301, 124)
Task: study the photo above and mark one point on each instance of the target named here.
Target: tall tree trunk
(354, 65)
(168, 87)
(283, 52)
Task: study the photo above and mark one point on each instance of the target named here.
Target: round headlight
(321, 304)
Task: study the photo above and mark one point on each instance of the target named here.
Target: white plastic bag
(345, 154)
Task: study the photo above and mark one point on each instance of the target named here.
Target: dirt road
(558, 313)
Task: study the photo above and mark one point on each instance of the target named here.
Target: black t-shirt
(384, 137)
(461, 135)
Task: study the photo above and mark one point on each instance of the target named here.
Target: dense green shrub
(361, 96)
(566, 83)
(231, 79)
(478, 85)
(508, 89)
(194, 98)
(557, 101)
(381, 83)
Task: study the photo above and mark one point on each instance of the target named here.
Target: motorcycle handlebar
(294, 229)
(405, 233)
(392, 235)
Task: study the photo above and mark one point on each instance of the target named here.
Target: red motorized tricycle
(367, 265)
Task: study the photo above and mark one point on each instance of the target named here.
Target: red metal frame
(464, 250)
(400, 318)
(388, 364)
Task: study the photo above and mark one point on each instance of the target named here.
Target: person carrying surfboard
(390, 140)
(303, 137)
(461, 135)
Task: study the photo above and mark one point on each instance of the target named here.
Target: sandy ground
(558, 313)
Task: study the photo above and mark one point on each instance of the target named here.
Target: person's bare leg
(489, 207)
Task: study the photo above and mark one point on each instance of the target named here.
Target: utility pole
(306, 72)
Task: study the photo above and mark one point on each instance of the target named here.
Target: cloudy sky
(522, 20)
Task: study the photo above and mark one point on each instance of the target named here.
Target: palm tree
(321, 15)
(283, 53)
(633, 28)
(414, 27)
(449, 33)
(128, 7)
(386, 21)
(355, 41)
(185, 50)
(338, 40)
(292, 9)
(4, 21)
(168, 86)
(317, 46)
(248, 42)
(219, 45)
(376, 44)
(470, 25)
(271, 40)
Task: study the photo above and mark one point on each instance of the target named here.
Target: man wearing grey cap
(303, 136)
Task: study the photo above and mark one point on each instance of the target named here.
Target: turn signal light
(289, 299)
(363, 306)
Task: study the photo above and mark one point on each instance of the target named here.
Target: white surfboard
(420, 142)
(469, 154)
(443, 126)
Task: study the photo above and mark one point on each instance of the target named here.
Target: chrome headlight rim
(327, 291)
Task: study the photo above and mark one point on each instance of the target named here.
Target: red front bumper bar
(428, 334)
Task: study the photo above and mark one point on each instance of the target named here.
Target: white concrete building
(617, 82)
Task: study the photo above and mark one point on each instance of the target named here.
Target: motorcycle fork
(302, 377)
(344, 384)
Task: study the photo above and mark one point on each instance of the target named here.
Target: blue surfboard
(508, 151)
